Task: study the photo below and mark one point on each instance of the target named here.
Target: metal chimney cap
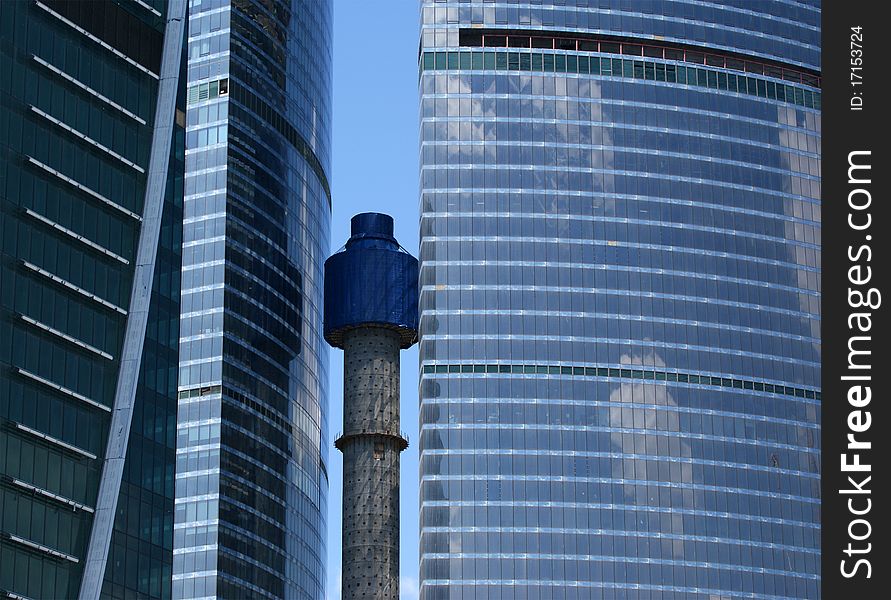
(372, 281)
(371, 225)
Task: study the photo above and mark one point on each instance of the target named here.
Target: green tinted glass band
(200, 391)
(613, 373)
(541, 62)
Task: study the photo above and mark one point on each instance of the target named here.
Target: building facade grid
(252, 429)
(81, 177)
(620, 330)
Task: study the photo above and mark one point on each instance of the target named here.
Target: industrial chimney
(371, 312)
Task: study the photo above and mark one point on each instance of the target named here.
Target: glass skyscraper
(251, 475)
(91, 179)
(620, 303)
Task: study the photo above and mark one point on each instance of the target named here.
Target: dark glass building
(251, 476)
(92, 116)
(620, 303)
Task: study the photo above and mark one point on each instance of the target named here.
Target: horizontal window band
(759, 417)
(428, 315)
(612, 558)
(245, 562)
(699, 299)
(617, 149)
(85, 189)
(86, 241)
(578, 41)
(537, 62)
(613, 373)
(195, 574)
(48, 495)
(470, 145)
(209, 90)
(612, 589)
(87, 139)
(255, 565)
(467, 167)
(13, 596)
(806, 450)
(61, 389)
(55, 441)
(239, 454)
(625, 243)
(648, 508)
(92, 37)
(268, 495)
(88, 89)
(237, 580)
(687, 591)
(427, 286)
(200, 391)
(630, 456)
(545, 216)
(187, 473)
(73, 287)
(68, 338)
(693, 136)
(624, 481)
(685, 461)
(246, 403)
(580, 336)
(40, 548)
(259, 108)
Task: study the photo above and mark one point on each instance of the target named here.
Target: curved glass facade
(620, 303)
(251, 478)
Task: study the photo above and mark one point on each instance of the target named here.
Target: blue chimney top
(371, 225)
(371, 281)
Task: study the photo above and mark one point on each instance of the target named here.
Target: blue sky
(375, 168)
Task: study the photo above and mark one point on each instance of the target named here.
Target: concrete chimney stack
(371, 312)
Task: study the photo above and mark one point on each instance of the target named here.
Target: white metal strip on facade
(68, 338)
(73, 287)
(55, 441)
(51, 496)
(88, 89)
(41, 548)
(140, 301)
(87, 139)
(84, 189)
(89, 35)
(82, 239)
(62, 389)
(147, 7)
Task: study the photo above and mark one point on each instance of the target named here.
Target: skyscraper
(251, 477)
(91, 174)
(619, 305)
